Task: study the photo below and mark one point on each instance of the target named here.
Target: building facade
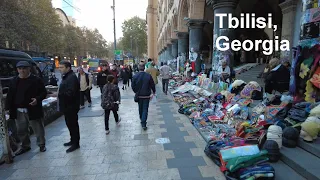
(66, 20)
(187, 29)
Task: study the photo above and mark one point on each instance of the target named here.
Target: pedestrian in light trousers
(85, 81)
(24, 103)
(165, 73)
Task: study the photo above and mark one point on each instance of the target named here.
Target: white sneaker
(81, 107)
(107, 132)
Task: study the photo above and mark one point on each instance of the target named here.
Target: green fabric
(148, 64)
(240, 162)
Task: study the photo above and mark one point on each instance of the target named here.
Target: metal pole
(114, 28)
(4, 135)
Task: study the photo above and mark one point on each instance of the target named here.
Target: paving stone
(184, 145)
(197, 151)
(189, 173)
(182, 153)
(186, 162)
(157, 164)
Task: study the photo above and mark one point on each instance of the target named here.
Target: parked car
(8, 70)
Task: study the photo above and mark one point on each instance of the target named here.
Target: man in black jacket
(102, 76)
(69, 103)
(24, 102)
(144, 88)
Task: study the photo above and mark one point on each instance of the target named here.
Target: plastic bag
(154, 99)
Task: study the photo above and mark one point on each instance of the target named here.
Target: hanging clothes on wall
(292, 88)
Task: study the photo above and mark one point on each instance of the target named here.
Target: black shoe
(73, 148)
(43, 149)
(22, 151)
(144, 128)
(68, 144)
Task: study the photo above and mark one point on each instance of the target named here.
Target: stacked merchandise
(243, 131)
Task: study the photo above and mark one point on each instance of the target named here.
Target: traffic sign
(118, 52)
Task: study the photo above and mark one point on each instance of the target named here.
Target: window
(7, 68)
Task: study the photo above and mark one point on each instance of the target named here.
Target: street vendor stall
(244, 131)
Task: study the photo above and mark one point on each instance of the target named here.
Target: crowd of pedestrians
(27, 91)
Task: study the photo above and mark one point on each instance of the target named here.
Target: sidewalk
(127, 152)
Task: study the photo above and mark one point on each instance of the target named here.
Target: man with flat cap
(24, 103)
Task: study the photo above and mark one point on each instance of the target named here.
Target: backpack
(107, 98)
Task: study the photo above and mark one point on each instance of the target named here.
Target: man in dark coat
(102, 76)
(69, 103)
(24, 102)
(143, 86)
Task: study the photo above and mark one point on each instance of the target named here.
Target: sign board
(310, 30)
(118, 55)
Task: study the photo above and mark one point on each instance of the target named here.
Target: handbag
(136, 96)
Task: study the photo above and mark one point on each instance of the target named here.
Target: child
(110, 101)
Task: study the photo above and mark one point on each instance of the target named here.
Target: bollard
(4, 135)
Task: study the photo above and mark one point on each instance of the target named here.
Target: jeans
(165, 83)
(22, 123)
(71, 119)
(106, 117)
(143, 111)
(101, 88)
(87, 94)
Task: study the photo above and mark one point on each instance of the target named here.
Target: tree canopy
(35, 26)
(134, 33)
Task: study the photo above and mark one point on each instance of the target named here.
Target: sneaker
(118, 123)
(43, 149)
(68, 144)
(81, 107)
(73, 148)
(107, 132)
(144, 128)
(22, 151)
(89, 105)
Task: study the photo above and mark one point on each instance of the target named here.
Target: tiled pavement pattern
(127, 152)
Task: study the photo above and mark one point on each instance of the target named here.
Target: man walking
(24, 102)
(165, 72)
(85, 81)
(142, 85)
(116, 73)
(102, 76)
(153, 72)
(68, 97)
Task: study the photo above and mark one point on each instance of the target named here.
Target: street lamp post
(114, 27)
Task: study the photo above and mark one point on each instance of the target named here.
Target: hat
(290, 137)
(273, 150)
(23, 64)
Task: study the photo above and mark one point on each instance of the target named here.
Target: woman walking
(125, 77)
(130, 74)
(110, 101)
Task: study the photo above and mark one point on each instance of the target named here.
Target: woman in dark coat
(125, 77)
(110, 101)
(130, 74)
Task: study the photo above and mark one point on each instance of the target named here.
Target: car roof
(12, 53)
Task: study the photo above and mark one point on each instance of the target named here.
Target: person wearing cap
(85, 81)
(116, 73)
(24, 103)
(102, 76)
(144, 88)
